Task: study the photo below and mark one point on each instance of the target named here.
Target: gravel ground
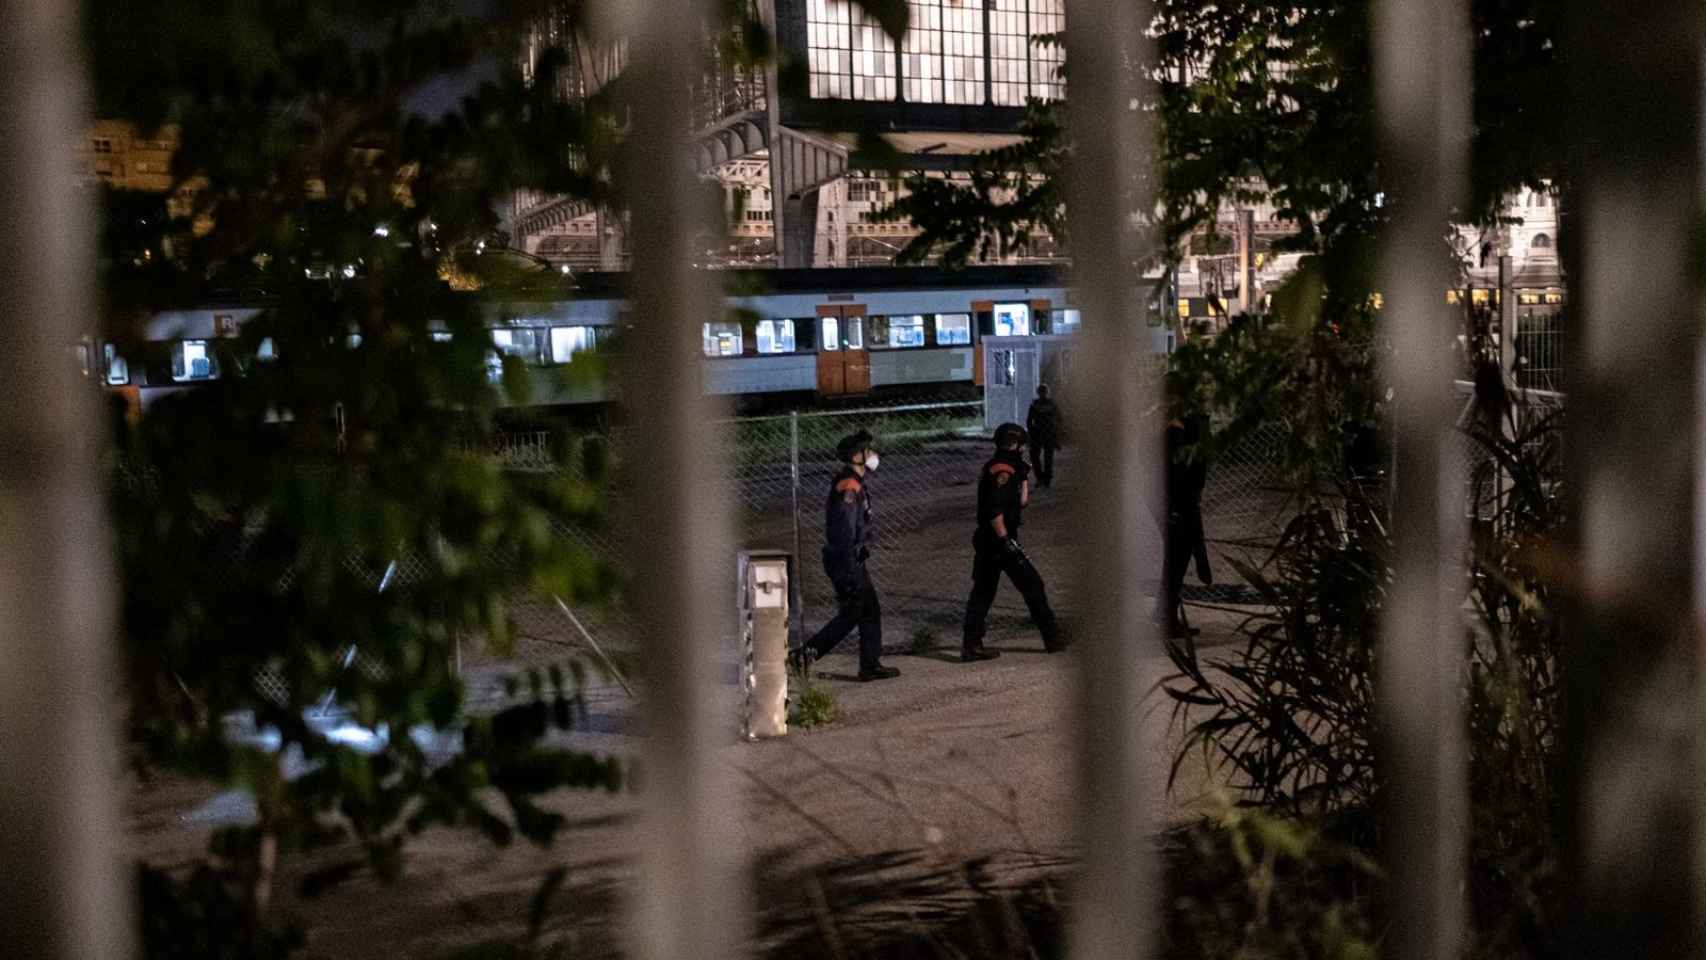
(925, 794)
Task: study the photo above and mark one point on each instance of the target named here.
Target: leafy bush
(814, 706)
(1290, 720)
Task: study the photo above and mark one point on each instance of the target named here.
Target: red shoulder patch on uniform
(1000, 468)
(849, 490)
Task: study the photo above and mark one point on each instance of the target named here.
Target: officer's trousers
(1042, 457)
(986, 569)
(856, 606)
(1183, 539)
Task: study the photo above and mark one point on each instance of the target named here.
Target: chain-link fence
(779, 471)
(1540, 352)
(780, 468)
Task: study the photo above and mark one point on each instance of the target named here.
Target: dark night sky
(439, 96)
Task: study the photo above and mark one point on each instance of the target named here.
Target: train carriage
(784, 335)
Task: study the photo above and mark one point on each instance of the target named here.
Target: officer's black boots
(877, 673)
(973, 652)
(1056, 643)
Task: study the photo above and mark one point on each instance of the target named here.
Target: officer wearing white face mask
(847, 532)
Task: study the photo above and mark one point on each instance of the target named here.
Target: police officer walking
(1003, 490)
(1043, 422)
(847, 532)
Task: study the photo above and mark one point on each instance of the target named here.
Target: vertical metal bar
(1422, 61)
(799, 597)
(1113, 144)
(1631, 655)
(1507, 319)
(61, 892)
(1510, 411)
(689, 901)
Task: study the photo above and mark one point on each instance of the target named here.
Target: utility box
(764, 579)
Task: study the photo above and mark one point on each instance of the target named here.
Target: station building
(796, 183)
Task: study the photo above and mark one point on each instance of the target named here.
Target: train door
(1012, 368)
(843, 363)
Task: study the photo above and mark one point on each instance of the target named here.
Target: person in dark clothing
(1187, 476)
(1003, 490)
(1043, 423)
(847, 536)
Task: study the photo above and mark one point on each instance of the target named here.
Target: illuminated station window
(921, 49)
(1008, 61)
(873, 62)
(851, 58)
(829, 48)
(967, 52)
(962, 52)
(1047, 18)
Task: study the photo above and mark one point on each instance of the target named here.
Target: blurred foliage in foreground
(330, 492)
(1289, 719)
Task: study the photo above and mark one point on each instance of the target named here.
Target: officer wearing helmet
(847, 535)
(1003, 491)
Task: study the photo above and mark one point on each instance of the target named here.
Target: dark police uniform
(1043, 424)
(1184, 536)
(999, 489)
(847, 532)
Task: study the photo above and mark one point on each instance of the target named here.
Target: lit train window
(722, 339)
(775, 336)
(440, 336)
(831, 334)
(1012, 320)
(266, 351)
(568, 341)
(906, 331)
(524, 343)
(1066, 321)
(192, 360)
(855, 333)
(118, 369)
(953, 328)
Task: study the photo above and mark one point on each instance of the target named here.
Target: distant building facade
(954, 86)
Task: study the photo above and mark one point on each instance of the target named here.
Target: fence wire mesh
(778, 472)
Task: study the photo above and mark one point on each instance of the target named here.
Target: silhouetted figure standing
(1043, 424)
(1183, 528)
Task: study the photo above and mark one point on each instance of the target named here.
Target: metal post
(799, 593)
(1632, 657)
(689, 901)
(1507, 320)
(62, 892)
(1422, 68)
(1507, 374)
(1116, 891)
(1246, 257)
